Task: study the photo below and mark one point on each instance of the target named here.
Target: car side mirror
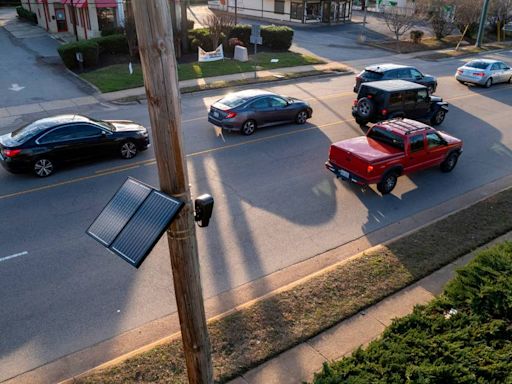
(418, 77)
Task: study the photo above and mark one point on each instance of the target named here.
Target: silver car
(245, 111)
(484, 72)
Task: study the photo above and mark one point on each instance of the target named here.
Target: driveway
(30, 69)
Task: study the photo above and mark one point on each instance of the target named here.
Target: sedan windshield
(477, 64)
(104, 124)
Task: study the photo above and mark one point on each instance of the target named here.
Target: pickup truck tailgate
(355, 155)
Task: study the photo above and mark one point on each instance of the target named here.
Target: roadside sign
(255, 30)
(256, 39)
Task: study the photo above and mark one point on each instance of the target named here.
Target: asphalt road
(275, 205)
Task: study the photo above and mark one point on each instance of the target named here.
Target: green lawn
(116, 77)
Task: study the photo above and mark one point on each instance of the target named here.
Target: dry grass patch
(254, 334)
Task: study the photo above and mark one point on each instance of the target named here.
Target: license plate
(344, 174)
(216, 114)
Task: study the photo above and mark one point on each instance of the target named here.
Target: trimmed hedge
(90, 51)
(112, 31)
(200, 38)
(241, 32)
(461, 337)
(278, 38)
(26, 14)
(112, 44)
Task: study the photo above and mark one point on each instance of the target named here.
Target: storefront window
(296, 11)
(106, 18)
(313, 11)
(279, 6)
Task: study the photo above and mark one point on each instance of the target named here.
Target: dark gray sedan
(245, 111)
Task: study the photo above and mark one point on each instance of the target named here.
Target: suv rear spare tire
(365, 107)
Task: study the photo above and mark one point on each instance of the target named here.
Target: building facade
(300, 11)
(83, 18)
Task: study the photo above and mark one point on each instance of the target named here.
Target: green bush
(90, 51)
(201, 37)
(112, 44)
(242, 32)
(462, 337)
(278, 38)
(112, 31)
(26, 14)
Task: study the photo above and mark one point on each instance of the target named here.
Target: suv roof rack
(407, 126)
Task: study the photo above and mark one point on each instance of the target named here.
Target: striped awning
(75, 3)
(105, 3)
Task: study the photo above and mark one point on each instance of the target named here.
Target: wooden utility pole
(481, 26)
(155, 36)
(184, 26)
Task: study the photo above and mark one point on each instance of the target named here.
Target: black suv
(383, 100)
(395, 72)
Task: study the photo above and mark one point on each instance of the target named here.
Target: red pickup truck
(390, 149)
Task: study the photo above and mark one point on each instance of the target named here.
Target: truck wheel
(450, 162)
(365, 107)
(388, 183)
(438, 118)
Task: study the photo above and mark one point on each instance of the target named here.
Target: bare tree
(466, 16)
(399, 20)
(219, 27)
(436, 12)
(500, 12)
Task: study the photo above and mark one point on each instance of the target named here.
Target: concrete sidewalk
(48, 106)
(301, 362)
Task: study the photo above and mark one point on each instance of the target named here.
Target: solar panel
(133, 221)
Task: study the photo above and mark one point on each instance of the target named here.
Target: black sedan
(42, 145)
(245, 111)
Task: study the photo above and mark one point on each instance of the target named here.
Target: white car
(484, 72)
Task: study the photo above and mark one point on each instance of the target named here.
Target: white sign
(218, 54)
(130, 68)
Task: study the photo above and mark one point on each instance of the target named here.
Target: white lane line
(13, 256)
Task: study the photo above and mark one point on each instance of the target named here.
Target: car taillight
(230, 115)
(369, 169)
(358, 77)
(460, 71)
(11, 152)
(355, 102)
(369, 97)
(479, 74)
(384, 112)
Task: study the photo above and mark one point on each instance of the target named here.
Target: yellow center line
(210, 150)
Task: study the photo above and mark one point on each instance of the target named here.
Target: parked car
(395, 72)
(382, 100)
(44, 144)
(245, 111)
(391, 149)
(484, 72)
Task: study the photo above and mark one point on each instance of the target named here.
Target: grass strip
(462, 336)
(117, 77)
(247, 338)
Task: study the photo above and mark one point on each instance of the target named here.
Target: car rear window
(232, 101)
(384, 136)
(477, 64)
(370, 75)
(26, 132)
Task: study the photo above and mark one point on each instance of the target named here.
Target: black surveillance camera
(203, 206)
